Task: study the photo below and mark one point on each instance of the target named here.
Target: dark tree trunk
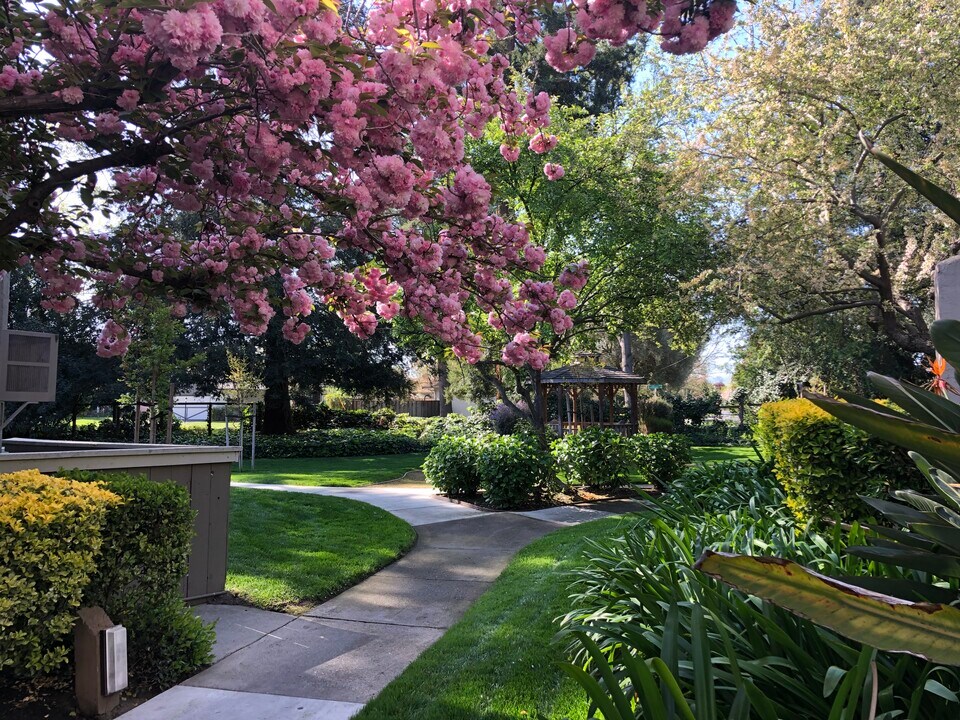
(626, 364)
(277, 417)
(443, 382)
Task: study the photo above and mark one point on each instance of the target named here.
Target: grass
(498, 662)
(290, 551)
(333, 472)
(705, 454)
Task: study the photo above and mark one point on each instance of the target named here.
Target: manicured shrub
(452, 464)
(50, 537)
(660, 457)
(473, 425)
(825, 464)
(143, 559)
(594, 456)
(513, 470)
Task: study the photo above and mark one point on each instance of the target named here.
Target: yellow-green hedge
(825, 464)
(49, 541)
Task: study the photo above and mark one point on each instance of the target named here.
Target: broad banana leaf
(931, 191)
(946, 338)
(922, 404)
(927, 630)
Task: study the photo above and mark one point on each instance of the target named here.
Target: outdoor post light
(113, 659)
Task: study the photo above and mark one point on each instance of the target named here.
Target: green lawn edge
(292, 551)
(330, 472)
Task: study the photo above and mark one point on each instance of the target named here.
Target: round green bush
(451, 466)
(513, 470)
(595, 457)
(660, 457)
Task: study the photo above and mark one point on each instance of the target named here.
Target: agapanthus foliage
(273, 121)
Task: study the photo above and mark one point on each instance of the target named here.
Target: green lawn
(336, 472)
(290, 551)
(705, 454)
(497, 663)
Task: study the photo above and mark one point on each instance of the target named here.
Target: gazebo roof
(587, 375)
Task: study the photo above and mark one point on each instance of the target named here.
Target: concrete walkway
(327, 664)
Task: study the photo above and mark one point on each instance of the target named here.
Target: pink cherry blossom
(553, 171)
(510, 153)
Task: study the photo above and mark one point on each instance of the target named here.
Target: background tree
(612, 206)
(151, 368)
(812, 227)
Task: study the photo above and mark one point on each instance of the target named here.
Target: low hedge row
(86, 538)
(824, 464)
(347, 442)
(512, 469)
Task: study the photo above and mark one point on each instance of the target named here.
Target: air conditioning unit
(28, 366)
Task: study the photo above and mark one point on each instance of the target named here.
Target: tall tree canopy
(612, 205)
(268, 115)
(814, 226)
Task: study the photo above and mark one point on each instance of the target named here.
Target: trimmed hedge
(513, 471)
(144, 557)
(50, 537)
(451, 467)
(661, 457)
(824, 464)
(317, 443)
(595, 456)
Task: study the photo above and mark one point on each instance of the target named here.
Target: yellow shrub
(824, 465)
(49, 540)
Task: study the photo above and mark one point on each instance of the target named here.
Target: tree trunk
(277, 417)
(443, 382)
(626, 364)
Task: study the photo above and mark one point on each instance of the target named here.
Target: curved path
(326, 664)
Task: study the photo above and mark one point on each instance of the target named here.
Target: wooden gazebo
(569, 385)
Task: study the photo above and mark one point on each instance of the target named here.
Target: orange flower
(938, 384)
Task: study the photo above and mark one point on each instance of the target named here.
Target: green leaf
(946, 339)
(928, 630)
(832, 679)
(922, 404)
(932, 443)
(930, 190)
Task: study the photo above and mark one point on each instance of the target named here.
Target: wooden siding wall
(209, 488)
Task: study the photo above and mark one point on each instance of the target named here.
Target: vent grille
(29, 373)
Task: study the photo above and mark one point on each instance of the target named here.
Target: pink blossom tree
(274, 120)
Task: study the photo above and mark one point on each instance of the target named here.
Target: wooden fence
(203, 471)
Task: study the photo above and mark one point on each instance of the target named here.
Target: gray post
(946, 284)
(253, 438)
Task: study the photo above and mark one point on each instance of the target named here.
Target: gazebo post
(560, 399)
(610, 392)
(634, 415)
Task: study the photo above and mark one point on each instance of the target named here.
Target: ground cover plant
(330, 472)
(499, 660)
(652, 637)
(290, 551)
